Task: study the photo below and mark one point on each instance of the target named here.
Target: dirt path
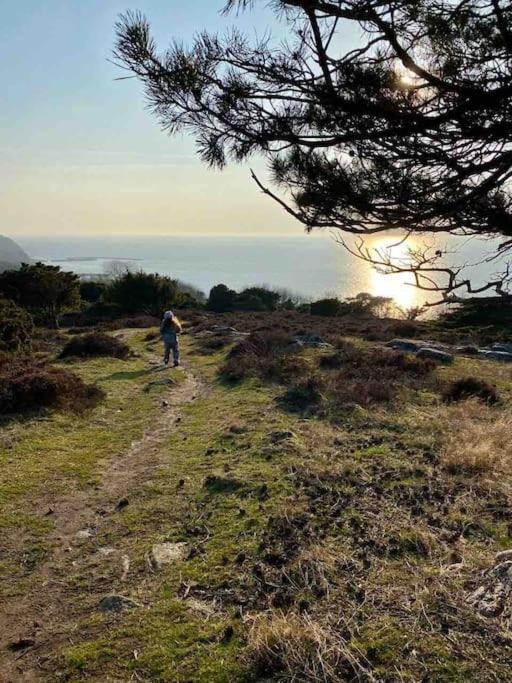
(44, 616)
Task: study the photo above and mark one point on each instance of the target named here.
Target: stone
(490, 354)
(83, 534)
(434, 354)
(167, 553)
(503, 572)
(467, 350)
(404, 345)
(502, 346)
(312, 341)
(503, 556)
(116, 603)
(106, 551)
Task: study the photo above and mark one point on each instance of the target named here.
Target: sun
(400, 286)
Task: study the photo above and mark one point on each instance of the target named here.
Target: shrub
(95, 344)
(221, 299)
(405, 328)
(27, 387)
(140, 292)
(16, 327)
(327, 307)
(470, 387)
(306, 393)
(91, 291)
(44, 290)
(138, 322)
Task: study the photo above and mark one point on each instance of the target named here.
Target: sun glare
(397, 286)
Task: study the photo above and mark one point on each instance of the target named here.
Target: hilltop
(264, 513)
(11, 254)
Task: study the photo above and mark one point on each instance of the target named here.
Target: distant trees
(257, 298)
(44, 290)
(139, 292)
(409, 131)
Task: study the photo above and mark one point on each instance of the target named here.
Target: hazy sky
(79, 153)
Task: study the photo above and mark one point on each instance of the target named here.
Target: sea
(312, 266)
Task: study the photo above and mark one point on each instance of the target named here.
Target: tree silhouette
(411, 131)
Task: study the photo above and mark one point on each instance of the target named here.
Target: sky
(79, 154)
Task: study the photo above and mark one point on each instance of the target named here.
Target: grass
(319, 550)
(43, 456)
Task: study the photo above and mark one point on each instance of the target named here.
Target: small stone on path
(167, 553)
(116, 603)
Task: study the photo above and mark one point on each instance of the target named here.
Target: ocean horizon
(310, 265)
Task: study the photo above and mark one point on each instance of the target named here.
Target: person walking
(170, 329)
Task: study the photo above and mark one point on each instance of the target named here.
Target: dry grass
(299, 648)
(476, 440)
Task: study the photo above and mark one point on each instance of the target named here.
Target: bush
(221, 299)
(95, 344)
(470, 387)
(327, 307)
(16, 327)
(26, 388)
(147, 293)
(257, 356)
(91, 291)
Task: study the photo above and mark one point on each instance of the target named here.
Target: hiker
(170, 329)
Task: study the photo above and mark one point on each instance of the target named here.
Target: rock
(125, 566)
(124, 502)
(312, 341)
(404, 345)
(490, 354)
(167, 553)
(434, 354)
(116, 603)
(491, 608)
(503, 556)
(467, 350)
(502, 346)
(105, 552)
(85, 533)
(503, 572)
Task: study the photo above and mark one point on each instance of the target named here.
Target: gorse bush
(27, 387)
(16, 327)
(95, 344)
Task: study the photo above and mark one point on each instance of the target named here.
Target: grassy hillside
(321, 540)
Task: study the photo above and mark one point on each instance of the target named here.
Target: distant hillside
(11, 254)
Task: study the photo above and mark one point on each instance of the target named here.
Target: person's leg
(176, 353)
(167, 352)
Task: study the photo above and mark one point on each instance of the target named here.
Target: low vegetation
(95, 344)
(16, 327)
(337, 504)
(27, 386)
